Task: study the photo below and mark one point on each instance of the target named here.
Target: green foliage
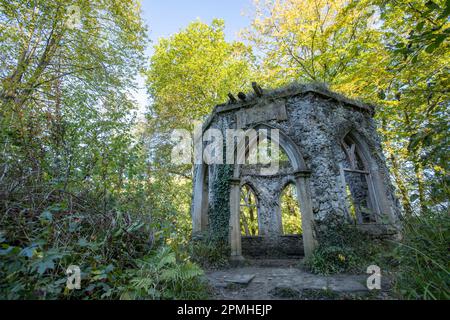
(37, 251)
(343, 249)
(317, 41)
(392, 53)
(192, 71)
(419, 263)
(428, 24)
(189, 73)
(82, 182)
(162, 276)
(210, 254)
(219, 207)
(290, 211)
(64, 91)
(116, 257)
(212, 248)
(248, 212)
(414, 100)
(75, 185)
(423, 258)
(328, 260)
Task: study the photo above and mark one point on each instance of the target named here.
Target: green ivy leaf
(47, 216)
(45, 265)
(7, 250)
(83, 243)
(28, 251)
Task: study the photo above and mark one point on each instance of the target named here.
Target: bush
(162, 276)
(210, 254)
(333, 260)
(343, 248)
(423, 258)
(113, 251)
(36, 250)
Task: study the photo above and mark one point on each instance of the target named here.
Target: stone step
(275, 263)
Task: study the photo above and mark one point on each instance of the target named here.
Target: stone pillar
(379, 195)
(275, 227)
(235, 228)
(304, 197)
(200, 201)
(197, 201)
(269, 213)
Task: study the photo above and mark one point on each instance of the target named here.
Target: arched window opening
(283, 158)
(249, 212)
(290, 212)
(264, 152)
(357, 184)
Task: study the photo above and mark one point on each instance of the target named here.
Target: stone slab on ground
(243, 279)
(292, 282)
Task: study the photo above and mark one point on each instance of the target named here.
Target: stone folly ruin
(330, 156)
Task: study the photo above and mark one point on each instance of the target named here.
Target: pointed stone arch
(301, 175)
(359, 152)
(289, 147)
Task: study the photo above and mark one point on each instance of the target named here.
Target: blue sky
(166, 17)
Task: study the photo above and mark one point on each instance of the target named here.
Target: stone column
(275, 227)
(379, 195)
(304, 197)
(197, 201)
(235, 228)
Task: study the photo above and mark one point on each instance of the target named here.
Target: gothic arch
(377, 193)
(301, 176)
(295, 156)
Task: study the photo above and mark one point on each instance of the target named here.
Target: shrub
(37, 249)
(333, 259)
(112, 250)
(162, 276)
(423, 258)
(343, 248)
(209, 254)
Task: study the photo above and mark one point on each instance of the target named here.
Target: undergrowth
(418, 264)
(119, 255)
(210, 254)
(423, 268)
(343, 249)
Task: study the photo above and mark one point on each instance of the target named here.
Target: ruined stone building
(330, 154)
